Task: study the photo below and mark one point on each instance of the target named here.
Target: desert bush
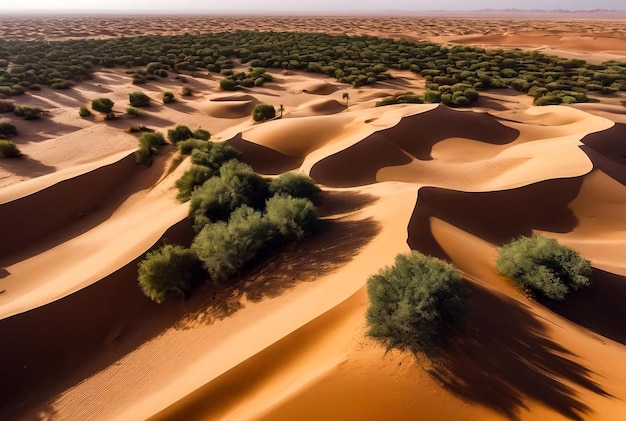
(202, 134)
(134, 112)
(294, 184)
(225, 249)
(262, 112)
(543, 266)
(218, 197)
(8, 149)
(27, 113)
(149, 143)
(169, 271)
(138, 99)
(102, 105)
(168, 97)
(6, 106)
(84, 112)
(186, 91)
(178, 134)
(152, 139)
(416, 304)
(186, 147)
(7, 129)
(195, 176)
(228, 85)
(293, 218)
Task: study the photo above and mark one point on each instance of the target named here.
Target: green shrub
(195, 176)
(8, 149)
(168, 271)
(219, 196)
(84, 112)
(134, 112)
(143, 156)
(262, 112)
(178, 134)
(152, 139)
(149, 143)
(543, 266)
(7, 129)
(138, 99)
(186, 147)
(186, 91)
(228, 85)
(102, 105)
(416, 304)
(168, 97)
(6, 106)
(27, 113)
(225, 249)
(202, 134)
(294, 184)
(293, 218)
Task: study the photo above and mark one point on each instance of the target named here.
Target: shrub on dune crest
(543, 266)
(262, 112)
(416, 304)
(294, 184)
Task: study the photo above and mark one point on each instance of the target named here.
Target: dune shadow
(495, 216)
(4, 273)
(506, 358)
(337, 244)
(73, 206)
(598, 307)
(263, 159)
(53, 347)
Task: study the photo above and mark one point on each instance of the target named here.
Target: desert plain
(289, 339)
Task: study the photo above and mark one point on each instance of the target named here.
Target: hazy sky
(295, 5)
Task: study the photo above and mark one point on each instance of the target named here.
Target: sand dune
(289, 340)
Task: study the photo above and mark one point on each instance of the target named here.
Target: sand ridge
(289, 341)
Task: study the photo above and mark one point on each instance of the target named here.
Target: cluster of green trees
(7, 129)
(239, 217)
(256, 76)
(420, 301)
(357, 60)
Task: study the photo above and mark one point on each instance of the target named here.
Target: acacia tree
(346, 96)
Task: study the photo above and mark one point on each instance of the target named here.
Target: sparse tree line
(420, 302)
(357, 60)
(239, 217)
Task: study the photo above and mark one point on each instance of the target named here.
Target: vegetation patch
(263, 112)
(8, 149)
(543, 266)
(416, 304)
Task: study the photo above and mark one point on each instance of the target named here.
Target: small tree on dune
(416, 304)
(346, 96)
(262, 112)
(543, 266)
(281, 108)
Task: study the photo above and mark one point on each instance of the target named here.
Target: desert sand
(289, 340)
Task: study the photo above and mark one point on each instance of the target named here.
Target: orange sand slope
(289, 341)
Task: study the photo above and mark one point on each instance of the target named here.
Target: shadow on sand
(337, 244)
(506, 358)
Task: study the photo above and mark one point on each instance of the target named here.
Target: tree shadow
(330, 202)
(26, 167)
(598, 307)
(506, 358)
(338, 243)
